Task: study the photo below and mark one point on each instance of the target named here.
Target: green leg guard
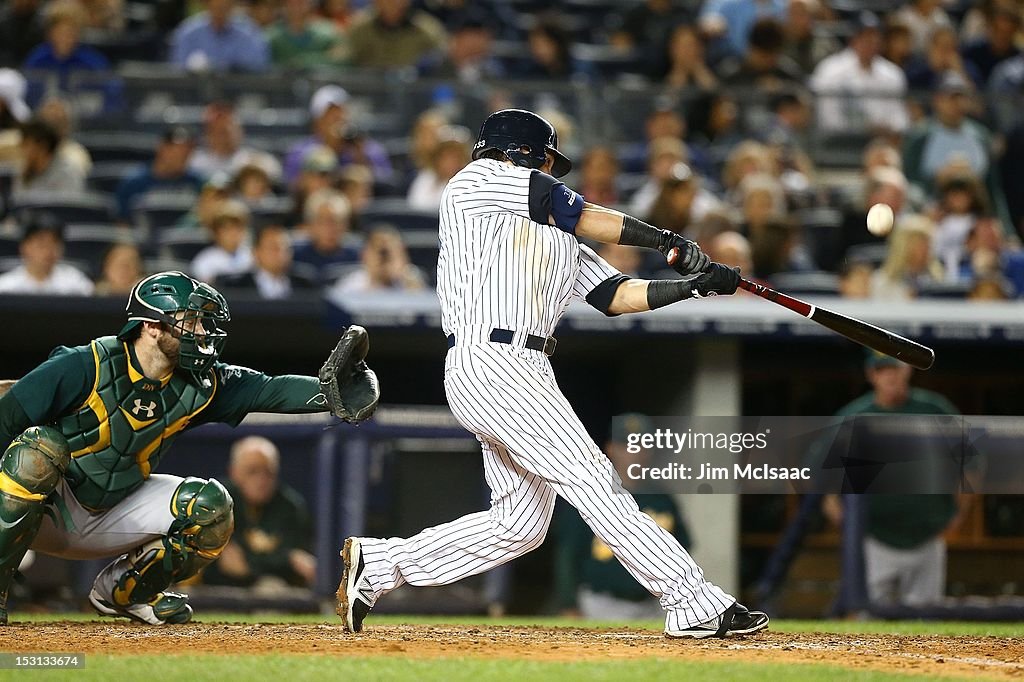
(135, 585)
(30, 470)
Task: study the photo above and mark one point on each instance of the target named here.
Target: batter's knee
(203, 516)
(524, 535)
(34, 463)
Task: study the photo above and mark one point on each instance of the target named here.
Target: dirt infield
(992, 657)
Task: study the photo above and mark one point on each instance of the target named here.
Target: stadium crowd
(764, 130)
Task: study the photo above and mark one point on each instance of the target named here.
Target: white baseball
(880, 219)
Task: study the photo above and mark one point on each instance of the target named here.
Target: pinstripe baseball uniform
(503, 280)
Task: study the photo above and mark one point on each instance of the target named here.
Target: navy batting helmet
(523, 137)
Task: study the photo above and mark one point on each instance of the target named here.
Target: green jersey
(906, 521)
(119, 423)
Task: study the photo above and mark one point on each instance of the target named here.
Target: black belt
(544, 344)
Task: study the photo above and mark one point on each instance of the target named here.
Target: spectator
(898, 44)
(328, 217)
(426, 130)
(42, 168)
(13, 112)
(57, 112)
(629, 260)
(550, 52)
(332, 129)
(805, 45)
(923, 17)
(748, 158)
(713, 122)
(62, 51)
(120, 270)
(270, 544)
(645, 28)
(469, 57)
(168, 171)
(989, 288)
(450, 156)
(219, 40)
(356, 184)
(103, 16)
(883, 185)
(904, 549)
(599, 172)
(987, 255)
(948, 138)
(880, 153)
(855, 279)
(673, 209)
(962, 202)
(302, 40)
(589, 581)
(214, 193)
(318, 168)
(684, 63)
(909, 262)
(731, 20)
(789, 132)
(732, 249)
(859, 90)
(338, 12)
(271, 276)
(763, 66)
(663, 154)
(41, 270)
(775, 248)
(392, 34)
(263, 13)
(21, 30)
(940, 57)
(230, 253)
(385, 266)
(1011, 169)
(222, 150)
(252, 184)
(761, 200)
(1002, 24)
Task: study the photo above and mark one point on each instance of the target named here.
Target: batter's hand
(685, 256)
(718, 280)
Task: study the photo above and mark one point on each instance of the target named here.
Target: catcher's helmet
(523, 137)
(159, 297)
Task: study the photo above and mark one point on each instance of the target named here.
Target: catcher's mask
(191, 310)
(524, 137)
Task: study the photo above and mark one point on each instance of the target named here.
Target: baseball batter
(83, 432)
(510, 262)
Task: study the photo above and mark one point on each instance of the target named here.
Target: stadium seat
(812, 283)
(89, 243)
(9, 242)
(118, 146)
(338, 271)
(271, 211)
(157, 210)
(105, 176)
(182, 243)
(86, 207)
(820, 233)
(872, 254)
(397, 212)
(956, 290)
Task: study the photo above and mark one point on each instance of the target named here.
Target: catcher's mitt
(348, 384)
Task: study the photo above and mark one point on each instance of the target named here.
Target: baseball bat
(876, 338)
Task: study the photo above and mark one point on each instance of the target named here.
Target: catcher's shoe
(167, 607)
(355, 596)
(737, 620)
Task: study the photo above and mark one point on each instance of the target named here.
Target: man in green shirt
(301, 40)
(904, 549)
(83, 432)
(272, 530)
(589, 580)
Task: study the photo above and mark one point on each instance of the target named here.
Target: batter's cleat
(737, 620)
(166, 608)
(355, 596)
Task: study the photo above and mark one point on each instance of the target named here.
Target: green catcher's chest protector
(119, 434)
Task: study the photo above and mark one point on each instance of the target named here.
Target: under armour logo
(150, 409)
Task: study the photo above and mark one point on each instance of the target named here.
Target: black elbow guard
(604, 293)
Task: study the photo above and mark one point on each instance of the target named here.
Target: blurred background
(293, 152)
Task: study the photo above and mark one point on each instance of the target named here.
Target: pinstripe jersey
(499, 269)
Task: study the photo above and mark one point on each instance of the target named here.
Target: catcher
(83, 432)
